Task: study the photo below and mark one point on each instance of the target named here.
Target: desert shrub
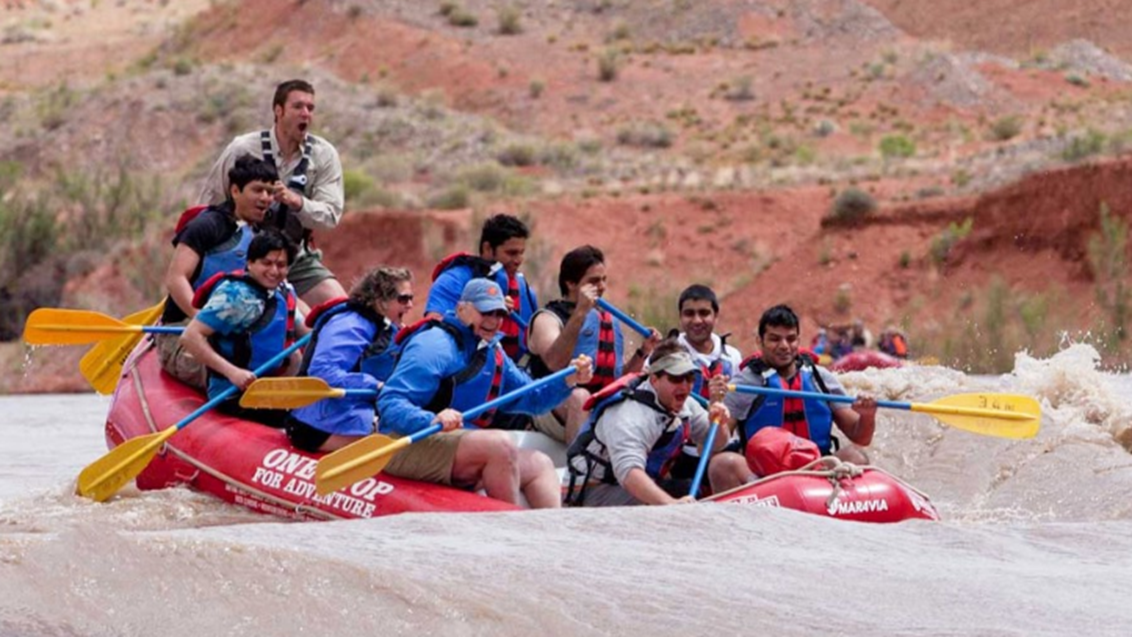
(536, 88)
(451, 198)
(607, 65)
(461, 17)
(516, 155)
(1083, 146)
(1006, 127)
(645, 135)
(1108, 261)
(897, 146)
(852, 204)
(509, 23)
(742, 90)
(943, 242)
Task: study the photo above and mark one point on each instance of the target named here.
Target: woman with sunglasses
(352, 348)
(625, 452)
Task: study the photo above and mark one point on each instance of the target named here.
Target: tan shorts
(178, 362)
(307, 271)
(550, 425)
(428, 460)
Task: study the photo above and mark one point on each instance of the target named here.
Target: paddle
(705, 455)
(623, 317)
(292, 393)
(368, 456)
(1000, 415)
(102, 365)
(105, 476)
(51, 326)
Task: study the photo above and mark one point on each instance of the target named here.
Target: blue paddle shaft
(623, 317)
(233, 390)
(705, 455)
(833, 398)
(161, 329)
(361, 393)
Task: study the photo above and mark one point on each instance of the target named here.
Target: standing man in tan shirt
(310, 194)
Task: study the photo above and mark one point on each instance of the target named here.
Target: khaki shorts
(550, 425)
(179, 363)
(429, 460)
(307, 271)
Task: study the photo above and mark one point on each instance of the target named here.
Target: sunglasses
(688, 378)
(404, 298)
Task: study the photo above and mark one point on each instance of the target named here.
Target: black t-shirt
(207, 230)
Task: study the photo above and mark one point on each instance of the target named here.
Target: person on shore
(624, 454)
(780, 365)
(502, 246)
(574, 325)
(453, 364)
(310, 195)
(243, 320)
(352, 348)
(207, 242)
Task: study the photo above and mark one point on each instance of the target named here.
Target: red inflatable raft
(864, 359)
(253, 466)
(832, 489)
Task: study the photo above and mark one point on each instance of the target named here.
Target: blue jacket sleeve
(340, 344)
(446, 290)
(416, 379)
(538, 401)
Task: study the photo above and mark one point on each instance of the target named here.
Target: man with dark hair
(310, 195)
(244, 319)
(625, 452)
(209, 241)
(502, 246)
(699, 310)
(780, 365)
(574, 325)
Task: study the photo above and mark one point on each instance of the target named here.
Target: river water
(1036, 540)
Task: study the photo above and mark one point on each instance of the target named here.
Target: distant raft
(864, 359)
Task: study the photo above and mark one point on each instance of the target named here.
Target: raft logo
(771, 501)
(292, 473)
(841, 507)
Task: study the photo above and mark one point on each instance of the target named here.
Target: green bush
(1006, 127)
(452, 198)
(852, 204)
(1083, 146)
(943, 242)
(897, 146)
(607, 64)
(517, 155)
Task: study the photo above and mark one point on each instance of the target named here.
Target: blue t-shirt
(233, 307)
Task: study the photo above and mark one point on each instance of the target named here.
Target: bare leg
(489, 458)
(575, 415)
(728, 470)
(539, 480)
(325, 290)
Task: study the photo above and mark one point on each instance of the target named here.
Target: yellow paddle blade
(52, 326)
(356, 462)
(102, 365)
(105, 476)
(1001, 415)
(287, 393)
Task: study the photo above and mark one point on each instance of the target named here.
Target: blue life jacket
(478, 382)
(814, 422)
(721, 366)
(660, 457)
(228, 256)
(514, 339)
(270, 334)
(607, 356)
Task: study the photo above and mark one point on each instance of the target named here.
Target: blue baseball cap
(485, 295)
